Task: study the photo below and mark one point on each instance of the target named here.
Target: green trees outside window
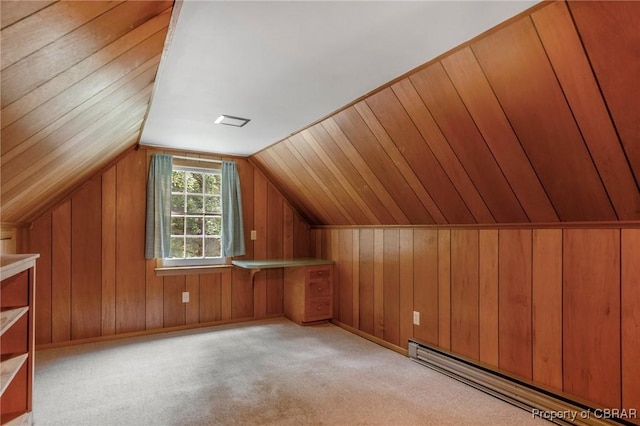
(196, 221)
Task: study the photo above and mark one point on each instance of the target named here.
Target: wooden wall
(76, 82)
(555, 307)
(93, 280)
(533, 122)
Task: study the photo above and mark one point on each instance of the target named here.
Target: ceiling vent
(229, 120)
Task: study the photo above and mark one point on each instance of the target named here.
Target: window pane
(194, 183)
(193, 247)
(195, 204)
(177, 226)
(212, 184)
(212, 225)
(212, 247)
(212, 205)
(194, 226)
(177, 204)
(177, 181)
(177, 247)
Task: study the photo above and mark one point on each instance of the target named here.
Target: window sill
(188, 270)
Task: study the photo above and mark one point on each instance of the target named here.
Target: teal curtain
(158, 226)
(232, 226)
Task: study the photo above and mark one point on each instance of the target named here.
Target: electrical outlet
(254, 235)
(185, 296)
(416, 318)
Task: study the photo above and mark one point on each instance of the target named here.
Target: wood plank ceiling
(537, 121)
(76, 83)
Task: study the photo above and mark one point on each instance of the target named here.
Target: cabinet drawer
(320, 273)
(15, 290)
(319, 308)
(318, 288)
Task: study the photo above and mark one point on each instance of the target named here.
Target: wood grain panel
(210, 297)
(37, 68)
(444, 289)
(301, 237)
(14, 11)
(471, 208)
(90, 76)
(274, 162)
(630, 318)
(366, 280)
(361, 211)
(363, 167)
(515, 345)
(406, 304)
(336, 187)
(84, 102)
(608, 31)
(318, 183)
(565, 50)
(355, 292)
(488, 297)
(61, 273)
(464, 293)
(363, 140)
(352, 172)
(487, 114)
(47, 26)
(130, 224)
(108, 264)
(378, 283)
(241, 295)
(400, 161)
(86, 260)
(260, 244)
(333, 250)
(287, 231)
(43, 150)
(275, 249)
(391, 286)
(344, 267)
(173, 309)
(40, 238)
(517, 67)
(425, 284)
(226, 293)
(440, 96)
(547, 307)
(591, 315)
(192, 308)
(407, 138)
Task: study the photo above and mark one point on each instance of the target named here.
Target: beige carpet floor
(270, 372)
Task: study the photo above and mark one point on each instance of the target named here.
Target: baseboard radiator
(538, 402)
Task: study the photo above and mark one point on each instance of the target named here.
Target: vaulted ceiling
(535, 121)
(76, 82)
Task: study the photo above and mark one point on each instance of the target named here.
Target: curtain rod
(206, 160)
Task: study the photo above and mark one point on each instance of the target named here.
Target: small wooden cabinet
(308, 293)
(17, 296)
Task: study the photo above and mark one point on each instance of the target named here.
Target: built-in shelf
(10, 316)
(9, 368)
(17, 297)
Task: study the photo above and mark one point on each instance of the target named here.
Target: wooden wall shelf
(17, 292)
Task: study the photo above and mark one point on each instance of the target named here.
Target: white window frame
(201, 261)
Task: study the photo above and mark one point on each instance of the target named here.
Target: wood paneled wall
(533, 122)
(555, 307)
(93, 280)
(76, 82)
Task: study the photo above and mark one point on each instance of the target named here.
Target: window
(196, 216)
